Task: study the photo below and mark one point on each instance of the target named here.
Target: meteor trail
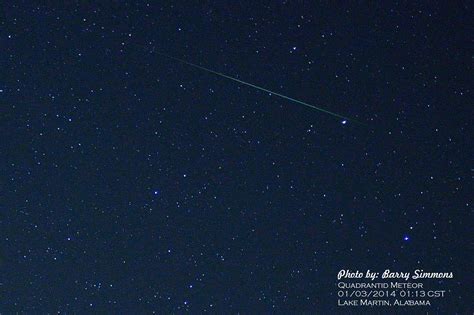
(259, 88)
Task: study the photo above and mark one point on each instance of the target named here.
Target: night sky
(132, 183)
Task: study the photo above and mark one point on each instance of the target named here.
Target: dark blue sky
(132, 183)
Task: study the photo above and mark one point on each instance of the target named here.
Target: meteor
(345, 119)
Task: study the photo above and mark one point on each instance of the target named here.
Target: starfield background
(131, 183)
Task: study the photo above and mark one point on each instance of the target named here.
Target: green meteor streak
(258, 88)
